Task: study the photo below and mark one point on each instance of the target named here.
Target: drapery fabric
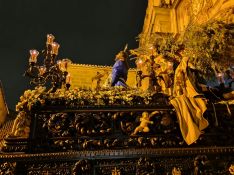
(119, 74)
(188, 104)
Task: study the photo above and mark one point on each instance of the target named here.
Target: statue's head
(145, 115)
(121, 56)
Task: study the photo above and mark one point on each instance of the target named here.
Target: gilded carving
(197, 6)
(21, 126)
(176, 171)
(185, 12)
(231, 169)
(7, 168)
(145, 120)
(145, 166)
(82, 167)
(200, 163)
(55, 168)
(115, 171)
(226, 15)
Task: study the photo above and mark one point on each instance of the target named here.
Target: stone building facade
(173, 16)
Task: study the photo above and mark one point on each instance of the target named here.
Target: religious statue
(97, 79)
(139, 79)
(120, 69)
(21, 125)
(145, 121)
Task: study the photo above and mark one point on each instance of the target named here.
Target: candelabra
(50, 72)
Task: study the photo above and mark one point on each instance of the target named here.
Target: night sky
(88, 31)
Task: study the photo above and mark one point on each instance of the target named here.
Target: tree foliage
(210, 47)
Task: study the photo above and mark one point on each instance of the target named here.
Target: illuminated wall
(82, 75)
(173, 16)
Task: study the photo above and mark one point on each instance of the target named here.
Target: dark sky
(88, 31)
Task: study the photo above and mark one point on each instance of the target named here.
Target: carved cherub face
(145, 115)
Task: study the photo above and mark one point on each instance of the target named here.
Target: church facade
(117, 131)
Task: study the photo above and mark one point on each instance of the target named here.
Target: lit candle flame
(59, 62)
(50, 38)
(33, 55)
(140, 61)
(55, 47)
(68, 79)
(170, 65)
(152, 49)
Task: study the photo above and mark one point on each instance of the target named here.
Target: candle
(59, 62)
(220, 77)
(219, 74)
(55, 47)
(33, 56)
(50, 39)
(152, 49)
(68, 79)
(170, 65)
(139, 63)
(62, 65)
(65, 65)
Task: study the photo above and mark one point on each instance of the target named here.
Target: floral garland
(29, 98)
(32, 99)
(104, 97)
(73, 98)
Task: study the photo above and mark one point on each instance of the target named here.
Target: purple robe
(119, 74)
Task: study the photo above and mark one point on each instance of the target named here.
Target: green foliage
(167, 46)
(210, 46)
(162, 44)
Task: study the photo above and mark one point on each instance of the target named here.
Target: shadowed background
(88, 31)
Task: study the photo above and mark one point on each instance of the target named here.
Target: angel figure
(145, 121)
(176, 171)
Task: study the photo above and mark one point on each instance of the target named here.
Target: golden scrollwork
(116, 171)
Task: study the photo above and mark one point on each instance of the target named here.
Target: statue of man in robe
(120, 70)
